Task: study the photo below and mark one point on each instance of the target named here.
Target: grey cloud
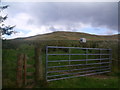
(63, 28)
(68, 14)
(52, 28)
(96, 14)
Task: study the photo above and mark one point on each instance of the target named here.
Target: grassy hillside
(62, 35)
(11, 48)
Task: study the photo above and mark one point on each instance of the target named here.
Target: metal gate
(69, 62)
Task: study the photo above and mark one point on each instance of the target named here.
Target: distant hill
(63, 35)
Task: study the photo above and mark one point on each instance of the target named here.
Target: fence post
(25, 69)
(86, 55)
(100, 59)
(69, 55)
(38, 64)
(46, 64)
(110, 59)
(19, 80)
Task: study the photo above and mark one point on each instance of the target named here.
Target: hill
(62, 35)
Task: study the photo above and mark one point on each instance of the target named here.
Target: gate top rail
(77, 48)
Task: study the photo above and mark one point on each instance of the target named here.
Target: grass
(85, 82)
(9, 69)
(82, 82)
(10, 64)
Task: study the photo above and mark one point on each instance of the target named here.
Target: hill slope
(62, 35)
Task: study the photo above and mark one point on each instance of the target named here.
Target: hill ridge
(64, 35)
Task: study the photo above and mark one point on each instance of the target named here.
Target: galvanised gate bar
(70, 62)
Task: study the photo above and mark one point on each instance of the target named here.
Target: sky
(33, 18)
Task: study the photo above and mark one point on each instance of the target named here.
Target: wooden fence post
(38, 65)
(19, 81)
(25, 68)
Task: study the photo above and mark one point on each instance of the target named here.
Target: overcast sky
(32, 18)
